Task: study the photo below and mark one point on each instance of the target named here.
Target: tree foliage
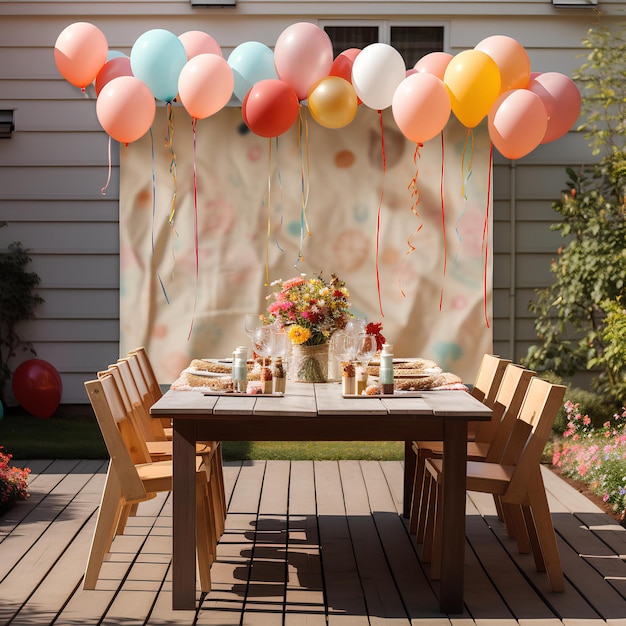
(580, 317)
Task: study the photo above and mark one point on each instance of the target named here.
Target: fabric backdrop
(249, 195)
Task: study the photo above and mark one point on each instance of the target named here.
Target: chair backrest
(530, 435)
(148, 372)
(506, 408)
(488, 379)
(112, 420)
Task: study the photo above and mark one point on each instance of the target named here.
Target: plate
(195, 372)
(242, 394)
(397, 394)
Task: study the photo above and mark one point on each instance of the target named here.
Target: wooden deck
(306, 544)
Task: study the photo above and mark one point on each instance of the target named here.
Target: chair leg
(204, 537)
(429, 519)
(516, 526)
(422, 508)
(126, 512)
(106, 524)
(418, 481)
(435, 563)
(532, 536)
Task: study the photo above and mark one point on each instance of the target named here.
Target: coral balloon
(473, 80)
(510, 57)
(196, 42)
(80, 52)
(303, 54)
(116, 67)
(157, 58)
(251, 63)
(434, 63)
(37, 386)
(333, 102)
(342, 65)
(270, 108)
(205, 85)
(125, 108)
(376, 74)
(517, 123)
(562, 100)
(421, 106)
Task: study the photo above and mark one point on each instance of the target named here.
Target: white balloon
(376, 73)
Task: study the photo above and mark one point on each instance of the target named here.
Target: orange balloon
(332, 102)
(473, 81)
(80, 52)
(510, 57)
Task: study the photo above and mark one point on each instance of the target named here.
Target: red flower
(375, 328)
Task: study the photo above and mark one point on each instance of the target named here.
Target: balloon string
(443, 222)
(486, 234)
(303, 128)
(280, 187)
(380, 206)
(169, 142)
(269, 213)
(104, 189)
(416, 196)
(469, 139)
(194, 122)
(154, 213)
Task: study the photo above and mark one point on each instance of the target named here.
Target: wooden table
(318, 412)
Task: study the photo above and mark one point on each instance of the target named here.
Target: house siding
(54, 166)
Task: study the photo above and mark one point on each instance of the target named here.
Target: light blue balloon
(251, 62)
(157, 58)
(114, 54)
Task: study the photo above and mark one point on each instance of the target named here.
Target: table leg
(409, 477)
(453, 532)
(184, 515)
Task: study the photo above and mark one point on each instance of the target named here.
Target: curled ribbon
(443, 220)
(380, 206)
(303, 147)
(485, 242)
(154, 214)
(104, 189)
(194, 122)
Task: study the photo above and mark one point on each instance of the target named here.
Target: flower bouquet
(311, 309)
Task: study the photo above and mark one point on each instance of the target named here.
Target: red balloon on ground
(37, 387)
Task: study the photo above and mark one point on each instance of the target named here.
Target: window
(411, 41)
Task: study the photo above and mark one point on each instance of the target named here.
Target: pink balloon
(116, 67)
(510, 57)
(434, 63)
(562, 100)
(270, 108)
(303, 54)
(196, 42)
(517, 123)
(126, 108)
(205, 85)
(80, 52)
(421, 106)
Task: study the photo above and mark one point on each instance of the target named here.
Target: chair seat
(481, 476)
(163, 471)
(476, 450)
(162, 450)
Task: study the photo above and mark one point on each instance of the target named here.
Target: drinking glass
(365, 348)
(251, 322)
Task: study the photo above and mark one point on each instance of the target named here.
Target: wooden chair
(129, 482)
(489, 441)
(489, 377)
(159, 448)
(516, 479)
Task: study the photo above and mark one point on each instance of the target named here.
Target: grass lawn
(72, 433)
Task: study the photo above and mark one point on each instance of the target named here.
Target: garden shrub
(13, 482)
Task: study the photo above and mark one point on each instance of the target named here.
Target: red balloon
(116, 67)
(37, 387)
(270, 108)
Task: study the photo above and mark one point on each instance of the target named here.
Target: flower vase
(309, 364)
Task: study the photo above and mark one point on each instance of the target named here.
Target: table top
(306, 400)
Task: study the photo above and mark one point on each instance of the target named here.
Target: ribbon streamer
(303, 128)
(154, 214)
(269, 213)
(169, 144)
(443, 221)
(380, 206)
(104, 189)
(194, 123)
(469, 139)
(280, 187)
(485, 242)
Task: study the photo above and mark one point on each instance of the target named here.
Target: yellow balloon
(473, 81)
(333, 102)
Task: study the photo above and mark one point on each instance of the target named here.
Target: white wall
(54, 166)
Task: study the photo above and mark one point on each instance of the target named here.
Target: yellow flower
(299, 334)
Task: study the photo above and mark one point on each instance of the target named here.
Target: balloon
(473, 80)
(562, 100)
(117, 66)
(421, 106)
(196, 42)
(37, 386)
(517, 123)
(303, 54)
(115, 54)
(270, 108)
(157, 58)
(510, 57)
(205, 85)
(333, 102)
(342, 66)
(376, 73)
(251, 63)
(434, 63)
(80, 52)
(125, 108)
